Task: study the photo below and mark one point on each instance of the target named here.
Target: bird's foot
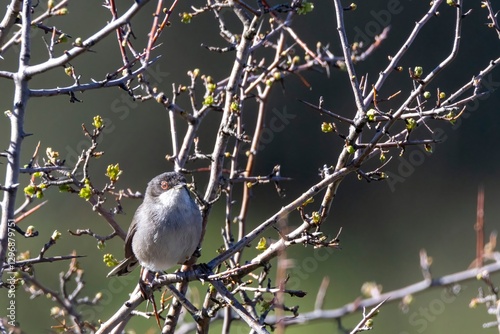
(146, 283)
(146, 289)
(203, 271)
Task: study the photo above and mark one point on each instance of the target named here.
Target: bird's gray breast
(168, 231)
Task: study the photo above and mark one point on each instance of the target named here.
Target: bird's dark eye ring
(164, 185)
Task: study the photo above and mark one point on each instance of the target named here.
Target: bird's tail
(124, 267)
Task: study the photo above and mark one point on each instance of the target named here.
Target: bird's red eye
(164, 185)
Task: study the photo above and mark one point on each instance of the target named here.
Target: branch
(492, 16)
(364, 325)
(239, 309)
(281, 214)
(402, 51)
(98, 237)
(29, 262)
(17, 133)
(44, 169)
(123, 314)
(391, 296)
(77, 87)
(61, 300)
(18, 35)
(9, 20)
(346, 49)
(86, 44)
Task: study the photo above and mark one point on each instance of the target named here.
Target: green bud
(98, 122)
(56, 235)
(63, 38)
(316, 218)
(451, 117)
(410, 124)
(407, 300)
(427, 95)
(211, 87)
(113, 172)
(442, 95)
(55, 311)
(30, 190)
(101, 245)
(85, 192)
(69, 71)
(186, 17)
(308, 201)
(30, 230)
(305, 8)
(62, 11)
(418, 71)
(262, 245)
(350, 149)
(110, 260)
(371, 114)
(235, 107)
(327, 127)
(209, 100)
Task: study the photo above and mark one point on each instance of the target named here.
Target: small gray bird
(166, 228)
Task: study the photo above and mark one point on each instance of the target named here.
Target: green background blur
(384, 226)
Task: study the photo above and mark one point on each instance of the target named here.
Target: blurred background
(430, 204)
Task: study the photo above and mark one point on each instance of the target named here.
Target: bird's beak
(180, 185)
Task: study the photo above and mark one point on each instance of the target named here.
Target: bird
(165, 230)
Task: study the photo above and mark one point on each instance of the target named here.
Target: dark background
(384, 227)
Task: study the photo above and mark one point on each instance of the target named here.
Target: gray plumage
(166, 228)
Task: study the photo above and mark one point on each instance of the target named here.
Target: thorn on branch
(73, 98)
(425, 264)
(28, 213)
(352, 6)
(320, 108)
(467, 13)
(274, 177)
